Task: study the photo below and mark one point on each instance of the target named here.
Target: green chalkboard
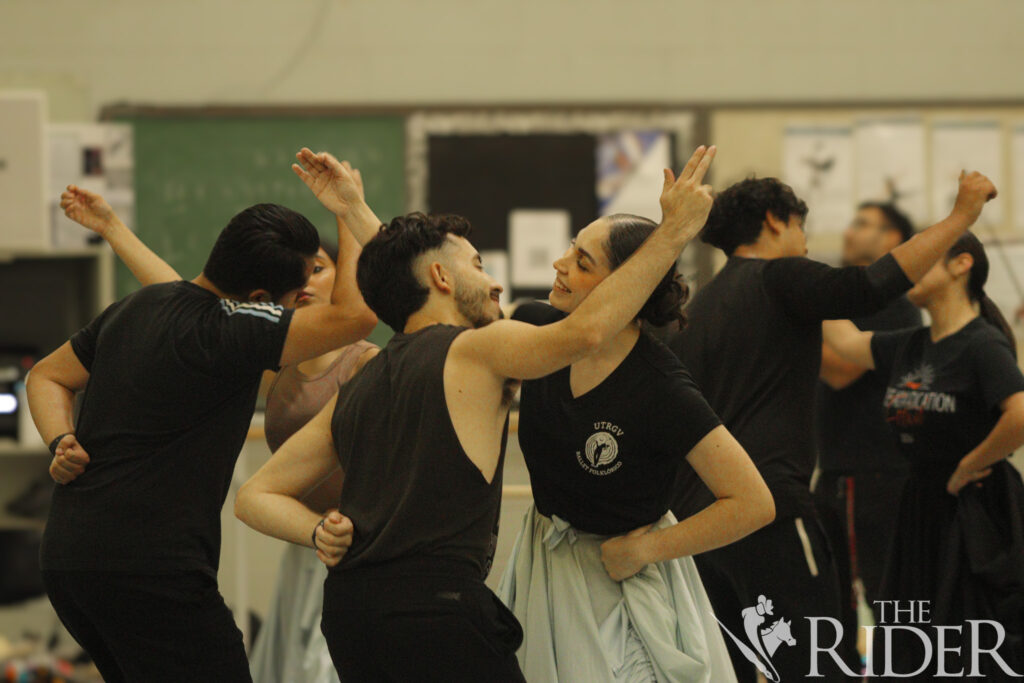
(192, 174)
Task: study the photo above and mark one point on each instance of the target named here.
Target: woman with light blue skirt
(601, 576)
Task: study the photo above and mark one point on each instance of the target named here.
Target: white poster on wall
(1017, 191)
(891, 165)
(97, 157)
(536, 238)
(971, 146)
(630, 167)
(817, 161)
(23, 170)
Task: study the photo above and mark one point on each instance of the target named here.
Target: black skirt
(964, 555)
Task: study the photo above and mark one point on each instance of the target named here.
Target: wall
(90, 54)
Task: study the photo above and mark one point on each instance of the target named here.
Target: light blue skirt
(581, 626)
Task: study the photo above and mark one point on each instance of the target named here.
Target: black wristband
(319, 525)
(56, 442)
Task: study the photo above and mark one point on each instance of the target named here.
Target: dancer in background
(170, 374)
(861, 470)
(289, 645)
(420, 434)
(601, 575)
(955, 403)
(753, 343)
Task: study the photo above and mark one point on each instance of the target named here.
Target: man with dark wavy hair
(753, 344)
(420, 435)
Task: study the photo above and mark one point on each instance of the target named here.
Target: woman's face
(320, 284)
(582, 267)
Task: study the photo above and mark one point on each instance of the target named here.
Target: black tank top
(410, 489)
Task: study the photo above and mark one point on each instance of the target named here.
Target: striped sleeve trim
(271, 312)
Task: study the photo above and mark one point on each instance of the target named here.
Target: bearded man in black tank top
(420, 435)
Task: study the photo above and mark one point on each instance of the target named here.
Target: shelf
(9, 522)
(9, 448)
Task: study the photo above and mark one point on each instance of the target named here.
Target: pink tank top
(294, 398)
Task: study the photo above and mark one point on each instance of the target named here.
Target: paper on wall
(891, 165)
(1017, 191)
(536, 238)
(971, 146)
(817, 161)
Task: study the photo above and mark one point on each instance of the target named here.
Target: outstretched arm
(917, 255)
(849, 343)
(315, 330)
(93, 212)
(836, 371)
(511, 349)
(744, 504)
(271, 501)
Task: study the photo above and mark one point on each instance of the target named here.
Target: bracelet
(56, 442)
(318, 526)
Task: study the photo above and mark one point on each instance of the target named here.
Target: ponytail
(969, 244)
(991, 313)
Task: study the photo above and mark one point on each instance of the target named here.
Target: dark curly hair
(666, 303)
(384, 272)
(894, 218)
(740, 210)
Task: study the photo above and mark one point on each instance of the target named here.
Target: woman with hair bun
(601, 577)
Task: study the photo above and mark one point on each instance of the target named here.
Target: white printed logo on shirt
(600, 454)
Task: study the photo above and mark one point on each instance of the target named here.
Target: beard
(472, 304)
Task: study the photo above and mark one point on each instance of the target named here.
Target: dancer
(131, 546)
(603, 440)
(420, 435)
(753, 344)
(861, 470)
(955, 402)
(290, 645)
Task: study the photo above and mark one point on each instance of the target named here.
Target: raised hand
(88, 209)
(333, 538)
(70, 460)
(337, 185)
(686, 201)
(975, 190)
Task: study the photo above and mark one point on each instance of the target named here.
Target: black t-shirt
(606, 461)
(173, 376)
(852, 434)
(753, 344)
(943, 397)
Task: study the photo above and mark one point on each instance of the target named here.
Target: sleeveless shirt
(410, 489)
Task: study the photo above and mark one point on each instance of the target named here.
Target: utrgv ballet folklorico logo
(601, 450)
(974, 641)
(762, 642)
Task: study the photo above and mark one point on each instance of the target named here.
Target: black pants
(150, 628)
(788, 562)
(420, 623)
(873, 498)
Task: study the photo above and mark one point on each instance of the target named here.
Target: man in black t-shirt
(753, 344)
(170, 375)
(861, 471)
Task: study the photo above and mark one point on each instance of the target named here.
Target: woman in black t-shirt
(601, 577)
(955, 401)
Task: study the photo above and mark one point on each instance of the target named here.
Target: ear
(960, 265)
(441, 277)
(891, 239)
(773, 224)
(260, 296)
